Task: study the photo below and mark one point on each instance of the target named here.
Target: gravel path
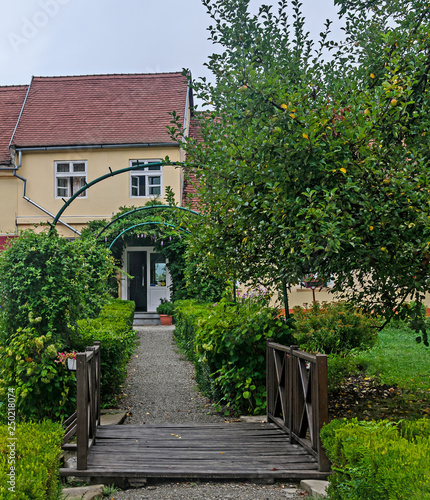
(160, 388)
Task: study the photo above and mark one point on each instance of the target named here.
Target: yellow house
(59, 133)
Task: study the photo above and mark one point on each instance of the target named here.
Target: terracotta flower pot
(165, 319)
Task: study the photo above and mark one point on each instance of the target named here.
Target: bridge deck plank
(211, 451)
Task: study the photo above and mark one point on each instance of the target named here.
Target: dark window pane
(62, 167)
(79, 167)
(142, 182)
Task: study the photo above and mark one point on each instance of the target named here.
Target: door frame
(152, 293)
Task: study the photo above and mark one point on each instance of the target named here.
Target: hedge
(378, 460)
(114, 329)
(227, 344)
(29, 461)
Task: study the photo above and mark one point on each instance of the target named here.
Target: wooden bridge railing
(297, 396)
(85, 420)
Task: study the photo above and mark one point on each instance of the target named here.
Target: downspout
(33, 202)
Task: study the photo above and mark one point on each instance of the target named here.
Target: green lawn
(390, 381)
(398, 359)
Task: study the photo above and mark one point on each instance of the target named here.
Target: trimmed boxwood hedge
(227, 344)
(114, 328)
(31, 451)
(378, 460)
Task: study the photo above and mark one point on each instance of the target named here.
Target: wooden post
(92, 375)
(98, 375)
(269, 380)
(82, 410)
(322, 408)
(291, 390)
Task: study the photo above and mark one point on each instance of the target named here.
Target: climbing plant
(48, 277)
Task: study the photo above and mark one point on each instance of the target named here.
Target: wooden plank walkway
(210, 451)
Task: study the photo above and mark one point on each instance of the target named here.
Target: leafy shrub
(59, 281)
(201, 282)
(114, 329)
(35, 458)
(43, 388)
(333, 328)
(227, 343)
(378, 461)
(166, 307)
(413, 430)
(187, 313)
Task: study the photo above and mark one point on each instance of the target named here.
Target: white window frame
(60, 176)
(147, 175)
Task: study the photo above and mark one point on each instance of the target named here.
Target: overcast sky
(78, 37)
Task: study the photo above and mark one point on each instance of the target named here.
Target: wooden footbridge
(287, 446)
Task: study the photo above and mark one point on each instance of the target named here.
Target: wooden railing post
(82, 410)
(98, 371)
(322, 408)
(269, 380)
(292, 390)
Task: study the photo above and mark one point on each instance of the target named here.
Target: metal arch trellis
(102, 178)
(147, 224)
(122, 216)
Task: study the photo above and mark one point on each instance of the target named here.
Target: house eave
(99, 146)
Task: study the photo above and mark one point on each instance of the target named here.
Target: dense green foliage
(35, 458)
(316, 164)
(47, 284)
(166, 307)
(201, 283)
(53, 279)
(114, 329)
(333, 328)
(43, 387)
(227, 343)
(378, 460)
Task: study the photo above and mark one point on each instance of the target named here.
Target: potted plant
(165, 311)
(67, 358)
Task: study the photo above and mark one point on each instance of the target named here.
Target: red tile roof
(11, 99)
(100, 109)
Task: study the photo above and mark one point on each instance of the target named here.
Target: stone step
(146, 319)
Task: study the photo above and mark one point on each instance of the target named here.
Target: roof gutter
(99, 146)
